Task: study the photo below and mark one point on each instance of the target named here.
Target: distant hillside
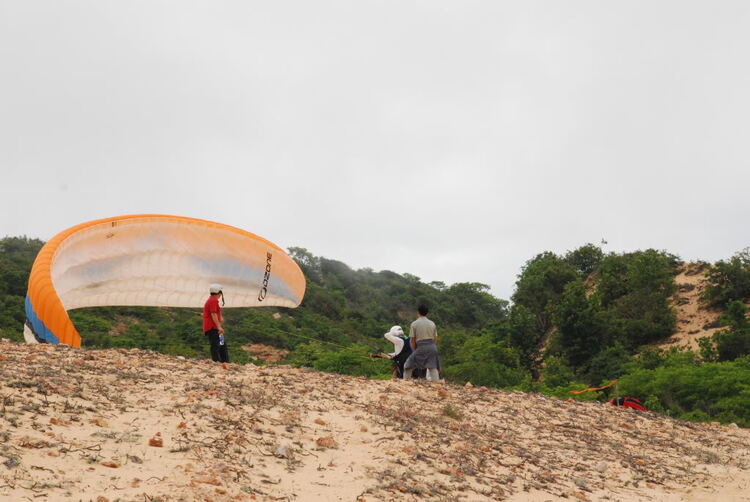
(134, 425)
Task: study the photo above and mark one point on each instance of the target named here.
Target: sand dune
(694, 320)
(133, 425)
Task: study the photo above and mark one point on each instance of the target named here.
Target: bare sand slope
(693, 319)
(137, 426)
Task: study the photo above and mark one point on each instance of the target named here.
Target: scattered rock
(12, 462)
(207, 480)
(99, 422)
(283, 452)
(327, 442)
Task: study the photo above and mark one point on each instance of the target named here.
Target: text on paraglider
(266, 276)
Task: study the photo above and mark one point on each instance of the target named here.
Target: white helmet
(397, 331)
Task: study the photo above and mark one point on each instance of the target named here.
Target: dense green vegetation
(680, 385)
(576, 320)
(729, 280)
(16, 256)
(728, 287)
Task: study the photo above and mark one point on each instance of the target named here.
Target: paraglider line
(333, 343)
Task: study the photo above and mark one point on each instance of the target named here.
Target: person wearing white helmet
(401, 350)
(212, 324)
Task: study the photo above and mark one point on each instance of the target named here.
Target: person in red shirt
(212, 324)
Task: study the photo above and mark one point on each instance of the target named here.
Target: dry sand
(131, 425)
(694, 320)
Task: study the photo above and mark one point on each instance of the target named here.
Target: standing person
(401, 350)
(423, 339)
(212, 324)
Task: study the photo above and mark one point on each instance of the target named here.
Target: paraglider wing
(153, 260)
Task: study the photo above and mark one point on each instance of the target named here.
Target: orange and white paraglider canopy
(153, 260)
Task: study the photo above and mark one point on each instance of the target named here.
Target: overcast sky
(450, 140)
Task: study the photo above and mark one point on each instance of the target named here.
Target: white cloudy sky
(451, 140)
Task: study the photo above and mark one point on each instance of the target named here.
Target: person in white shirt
(401, 350)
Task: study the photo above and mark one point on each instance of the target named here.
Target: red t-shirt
(211, 306)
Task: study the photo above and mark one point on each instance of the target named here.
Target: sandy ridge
(134, 425)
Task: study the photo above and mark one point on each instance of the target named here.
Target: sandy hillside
(693, 319)
(132, 425)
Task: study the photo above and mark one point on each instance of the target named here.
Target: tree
(612, 278)
(523, 335)
(579, 322)
(652, 271)
(734, 342)
(17, 255)
(585, 259)
(729, 280)
(634, 290)
(557, 372)
(472, 304)
(540, 286)
(608, 364)
(309, 263)
(483, 361)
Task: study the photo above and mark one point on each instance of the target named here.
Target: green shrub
(716, 391)
(580, 323)
(453, 412)
(728, 280)
(653, 403)
(351, 360)
(540, 286)
(608, 364)
(585, 259)
(483, 361)
(735, 341)
(557, 372)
